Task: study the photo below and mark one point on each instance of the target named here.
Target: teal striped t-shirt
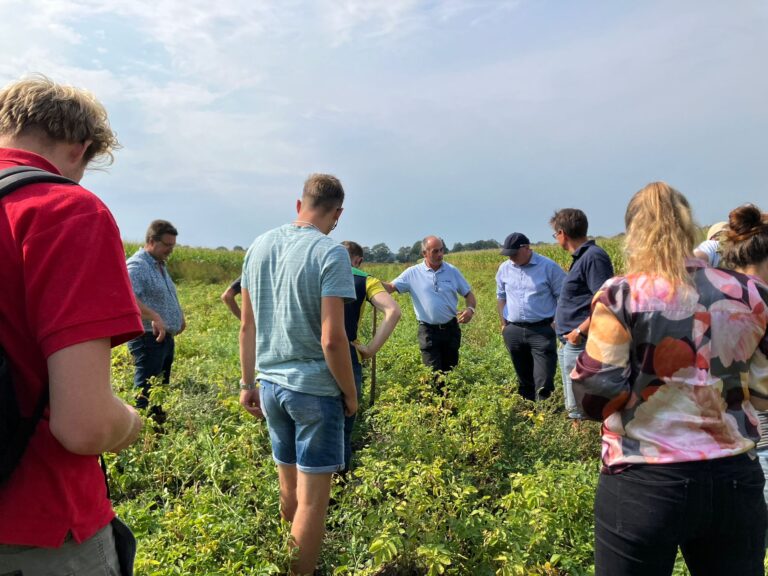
(287, 271)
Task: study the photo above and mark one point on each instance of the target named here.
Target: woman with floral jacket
(675, 364)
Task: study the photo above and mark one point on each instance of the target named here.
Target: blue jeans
(712, 509)
(151, 358)
(349, 421)
(305, 430)
(568, 353)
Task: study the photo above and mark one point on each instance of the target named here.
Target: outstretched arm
(386, 304)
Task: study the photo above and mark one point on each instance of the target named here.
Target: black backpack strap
(17, 430)
(13, 178)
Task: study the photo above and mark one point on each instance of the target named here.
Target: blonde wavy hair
(62, 113)
(661, 233)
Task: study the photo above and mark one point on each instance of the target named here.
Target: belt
(450, 324)
(544, 322)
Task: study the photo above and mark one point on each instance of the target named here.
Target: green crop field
(475, 482)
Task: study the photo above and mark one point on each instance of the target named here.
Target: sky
(468, 119)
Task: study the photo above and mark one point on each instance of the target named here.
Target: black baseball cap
(513, 243)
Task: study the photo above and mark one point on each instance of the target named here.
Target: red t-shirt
(62, 281)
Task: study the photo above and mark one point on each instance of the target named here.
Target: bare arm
(386, 304)
(86, 416)
(469, 312)
(228, 297)
(336, 349)
(248, 398)
(158, 326)
(389, 287)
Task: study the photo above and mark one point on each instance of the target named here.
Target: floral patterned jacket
(672, 370)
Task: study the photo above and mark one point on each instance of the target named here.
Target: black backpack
(15, 429)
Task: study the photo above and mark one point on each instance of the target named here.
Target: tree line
(381, 252)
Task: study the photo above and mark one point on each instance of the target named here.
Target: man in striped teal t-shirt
(294, 285)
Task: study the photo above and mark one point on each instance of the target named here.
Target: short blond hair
(62, 113)
(323, 192)
(661, 233)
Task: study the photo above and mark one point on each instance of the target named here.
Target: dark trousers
(713, 510)
(533, 348)
(439, 344)
(349, 421)
(151, 358)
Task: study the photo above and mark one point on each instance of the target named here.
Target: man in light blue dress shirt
(527, 288)
(434, 286)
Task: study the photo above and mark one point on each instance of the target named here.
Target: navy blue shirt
(591, 267)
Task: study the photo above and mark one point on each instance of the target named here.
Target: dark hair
(323, 192)
(353, 248)
(745, 241)
(572, 221)
(158, 228)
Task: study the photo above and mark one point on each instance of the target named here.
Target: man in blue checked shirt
(161, 312)
(434, 286)
(527, 288)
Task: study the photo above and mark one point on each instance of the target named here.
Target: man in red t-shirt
(65, 299)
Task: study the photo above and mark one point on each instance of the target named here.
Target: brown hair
(323, 192)
(572, 221)
(660, 232)
(745, 241)
(158, 228)
(62, 113)
(353, 248)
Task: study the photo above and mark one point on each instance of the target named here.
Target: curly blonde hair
(661, 233)
(62, 113)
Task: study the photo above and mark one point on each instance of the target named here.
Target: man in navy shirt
(590, 268)
(527, 289)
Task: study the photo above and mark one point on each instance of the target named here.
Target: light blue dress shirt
(530, 291)
(434, 293)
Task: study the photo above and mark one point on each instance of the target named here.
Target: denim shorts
(305, 430)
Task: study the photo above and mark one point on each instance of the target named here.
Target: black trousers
(713, 510)
(439, 344)
(533, 349)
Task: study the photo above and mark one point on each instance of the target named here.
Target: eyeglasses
(166, 244)
(556, 234)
